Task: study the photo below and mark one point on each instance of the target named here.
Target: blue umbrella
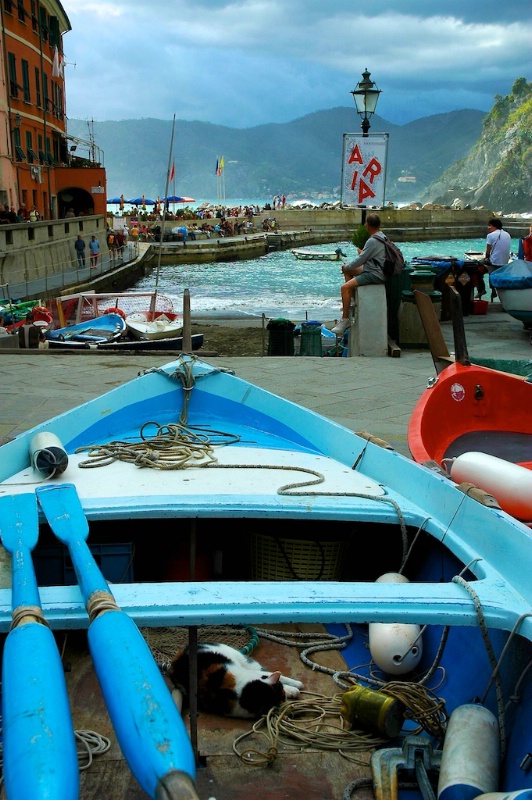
(141, 201)
(113, 201)
(175, 199)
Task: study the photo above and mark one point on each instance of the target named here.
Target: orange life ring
(116, 311)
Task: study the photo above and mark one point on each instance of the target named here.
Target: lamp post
(366, 94)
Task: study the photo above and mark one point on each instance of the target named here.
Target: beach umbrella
(141, 201)
(176, 199)
(113, 201)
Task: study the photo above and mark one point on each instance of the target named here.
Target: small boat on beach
(318, 255)
(153, 325)
(191, 502)
(513, 283)
(107, 328)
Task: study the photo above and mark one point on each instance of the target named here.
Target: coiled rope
(315, 723)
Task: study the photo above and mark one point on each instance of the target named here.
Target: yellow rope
(301, 724)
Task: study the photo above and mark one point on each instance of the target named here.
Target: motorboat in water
(304, 254)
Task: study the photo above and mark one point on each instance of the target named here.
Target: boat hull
(316, 494)
(106, 328)
(154, 325)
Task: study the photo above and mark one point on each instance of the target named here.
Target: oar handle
(148, 726)
(88, 574)
(39, 748)
(25, 591)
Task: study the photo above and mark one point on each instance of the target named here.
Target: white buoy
(522, 794)
(509, 483)
(47, 454)
(470, 757)
(396, 648)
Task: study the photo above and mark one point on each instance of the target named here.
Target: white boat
(154, 324)
(319, 255)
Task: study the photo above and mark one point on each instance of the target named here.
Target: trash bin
(281, 337)
(311, 339)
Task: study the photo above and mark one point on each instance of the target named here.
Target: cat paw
(291, 692)
(291, 682)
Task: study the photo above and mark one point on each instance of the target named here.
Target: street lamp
(366, 95)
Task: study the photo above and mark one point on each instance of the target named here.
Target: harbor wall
(43, 250)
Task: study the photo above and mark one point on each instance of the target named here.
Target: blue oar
(148, 725)
(39, 748)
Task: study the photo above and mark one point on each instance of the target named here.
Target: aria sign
(364, 169)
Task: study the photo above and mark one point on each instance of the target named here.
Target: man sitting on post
(363, 270)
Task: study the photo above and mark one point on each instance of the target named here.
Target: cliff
(497, 172)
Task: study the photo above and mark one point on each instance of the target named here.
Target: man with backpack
(367, 268)
(112, 245)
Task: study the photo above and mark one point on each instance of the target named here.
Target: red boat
(470, 408)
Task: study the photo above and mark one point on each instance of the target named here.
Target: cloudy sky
(242, 63)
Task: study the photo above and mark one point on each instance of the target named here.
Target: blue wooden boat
(107, 328)
(233, 507)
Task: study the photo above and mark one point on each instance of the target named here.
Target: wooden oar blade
(63, 511)
(62, 508)
(19, 521)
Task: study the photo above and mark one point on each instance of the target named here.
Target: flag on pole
(222, 165)
(56, 64)
(217, 170)
(172, 172)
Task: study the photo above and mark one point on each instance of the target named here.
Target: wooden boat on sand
(107, 328)
(399, 601)
(154, 325)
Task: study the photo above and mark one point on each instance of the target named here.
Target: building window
(34, 18)
(8, 5)
(45, 91)
(31, 154)
(13, 86)
(21, 11)
(20, 155)
(26, 81)
(37, 88)
(43, 20)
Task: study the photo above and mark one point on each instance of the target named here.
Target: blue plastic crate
(53, 565)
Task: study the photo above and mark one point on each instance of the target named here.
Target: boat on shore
(107, 328)
(513, 283)
(154, 325)
(304, 254)
(397, 599)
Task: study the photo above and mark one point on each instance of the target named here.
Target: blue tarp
(515, 275)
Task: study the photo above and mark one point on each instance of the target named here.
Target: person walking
(94, 250)
(366, 269)
(79, 246)
(112, 246)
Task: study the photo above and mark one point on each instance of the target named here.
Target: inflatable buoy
(510, 484)
(522, 794)
(470, 757)
(395, 648)
(116, 311)
(48, 456)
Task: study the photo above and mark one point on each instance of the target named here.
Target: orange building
(41, 167)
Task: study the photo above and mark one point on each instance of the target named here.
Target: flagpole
(165, 206)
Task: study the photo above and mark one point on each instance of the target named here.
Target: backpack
(393, 258)
(111, 238)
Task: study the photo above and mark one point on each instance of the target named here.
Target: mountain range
(300, 158)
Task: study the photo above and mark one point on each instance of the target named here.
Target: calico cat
(230, 683)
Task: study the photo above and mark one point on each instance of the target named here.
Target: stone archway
(73, 197)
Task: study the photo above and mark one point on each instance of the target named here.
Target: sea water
(278, 284)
